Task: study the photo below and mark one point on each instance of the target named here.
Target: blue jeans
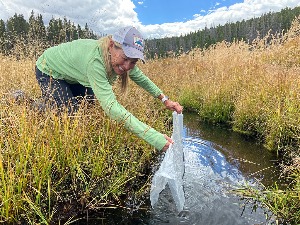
(60, 94)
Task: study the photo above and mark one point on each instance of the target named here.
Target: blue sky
(168, 11)
(154, 18)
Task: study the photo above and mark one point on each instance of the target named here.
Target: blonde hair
(104, 42)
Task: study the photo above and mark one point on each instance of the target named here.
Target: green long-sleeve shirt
(81, 61)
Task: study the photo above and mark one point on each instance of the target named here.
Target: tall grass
(252, 88)
(55, 167)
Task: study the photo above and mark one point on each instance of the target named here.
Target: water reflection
(251, 158)
(216, 162)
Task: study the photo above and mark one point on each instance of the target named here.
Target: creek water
(216, 162)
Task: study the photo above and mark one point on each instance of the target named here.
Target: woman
(89, 67)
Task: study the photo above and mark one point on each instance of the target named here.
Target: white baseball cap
(132, 42)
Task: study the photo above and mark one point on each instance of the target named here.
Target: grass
(53, 167)
(283, 203)
(252, 88)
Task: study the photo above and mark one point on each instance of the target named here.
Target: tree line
(16, 34)
(248, 30)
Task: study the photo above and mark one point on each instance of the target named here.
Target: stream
(216, 161)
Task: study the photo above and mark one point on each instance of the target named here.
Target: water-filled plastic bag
(171, 170)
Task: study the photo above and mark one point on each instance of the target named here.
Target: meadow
(52, 167)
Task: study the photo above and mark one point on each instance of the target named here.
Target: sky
(154, 18)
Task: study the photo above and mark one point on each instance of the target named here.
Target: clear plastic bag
(171, 170)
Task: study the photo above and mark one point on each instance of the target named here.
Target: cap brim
(133, 53)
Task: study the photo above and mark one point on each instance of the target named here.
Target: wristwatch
(165, 98)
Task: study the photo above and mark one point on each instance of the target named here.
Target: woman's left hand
(174, 106)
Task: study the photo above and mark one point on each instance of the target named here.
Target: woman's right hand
(169, 142)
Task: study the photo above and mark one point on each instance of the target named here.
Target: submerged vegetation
(54, 167)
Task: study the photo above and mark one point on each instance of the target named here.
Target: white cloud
(103, 16)
(106, 16)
